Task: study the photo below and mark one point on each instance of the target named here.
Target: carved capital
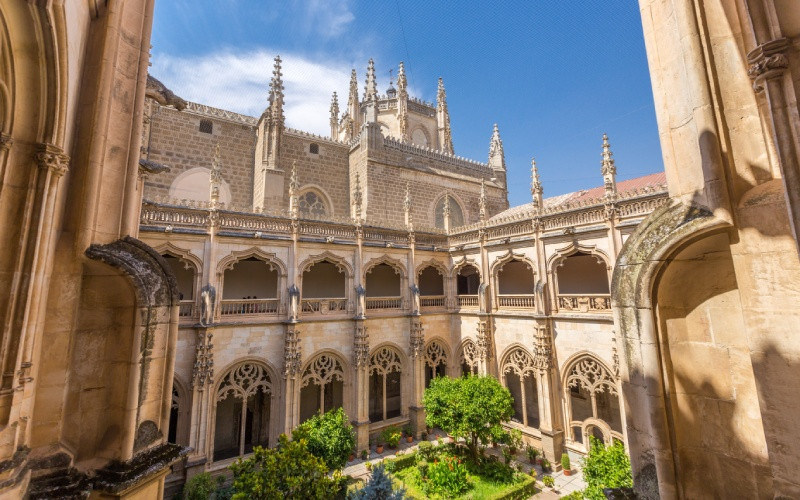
(767, 61)
(52, 158)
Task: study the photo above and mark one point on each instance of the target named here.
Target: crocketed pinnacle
(608, 167)
(402, 82)
(371, 88)
(352, 100)
(496, 156)
(276, 91)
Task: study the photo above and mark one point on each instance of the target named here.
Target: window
(435, 361)
(456, 214)
(206, 126)
(431, 282)
(469, 358)
(384, 385)
(311, 204)
(242, 411)
(593, 395)
(313, 148)
(322, 386)
(468, 280)
(521, 382)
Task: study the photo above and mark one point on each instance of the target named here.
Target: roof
(652, 183)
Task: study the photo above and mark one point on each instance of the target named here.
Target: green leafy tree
(287, 471)
(199, 487)
(329, 436)
(379, 487)
(468, 407)
(605, 467)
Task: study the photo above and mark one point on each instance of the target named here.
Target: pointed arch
(387, 363)
(454, 200)
(574, 247)
(465, 261)
(520, 376)
(340, 262)
(322, 194)
(230, 260)
(323, 381)
(509, 256)
(180, 253)
(434, 263)
(396, 264)
(468, 357)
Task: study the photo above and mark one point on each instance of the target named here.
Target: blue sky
(553, 75)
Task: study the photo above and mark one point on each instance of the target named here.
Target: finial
(536, 185)
(293, 188)
(371, 87)
(402, 83)
(608, 158)
(276, 91)
(496, 156)
(443, 120)
(482, 201)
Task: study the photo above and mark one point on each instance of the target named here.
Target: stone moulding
(119, 476)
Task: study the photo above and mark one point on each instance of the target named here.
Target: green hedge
(403, 462)
(525, 489)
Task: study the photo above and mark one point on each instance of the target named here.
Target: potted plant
(514, 440)
(352, 456)
(408, 433)
(364, 454)
(546, 465)
(391, 435)
(532, 454)
(565, 464)
(549, 481)
(424, 435)
(368, 465)
(379, 445)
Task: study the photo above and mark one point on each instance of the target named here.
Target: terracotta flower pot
(538, 460)
(379, 449)
(352, 457)
(410, 439)
(567, 472)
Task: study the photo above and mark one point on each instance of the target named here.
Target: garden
(471, 411)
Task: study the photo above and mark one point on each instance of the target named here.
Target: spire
(334, 116)
(215, 178)
(276, 92)
(496, 157)
(536, 186)
(371, 88)
(443, 120)
(293, 188)
(482, 201)
(402, 102)
(609, 170)
(353, 112)
(407, 207)
(357, 200)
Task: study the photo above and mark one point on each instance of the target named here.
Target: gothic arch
(181, 253)
(271, 372)
(308, 366)
(393, 346)
(340, 262)
(436, 264)
(518, 358)
(425, 132)
(457, 266)
(192, 184)
(395, 264)
(274, 263)
(507, 257)
(319, 191)
(581, 356)
(454, 198)
(558, 257)
(468, 355)
(446, 354)
(518, 373)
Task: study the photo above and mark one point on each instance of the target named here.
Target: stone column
(547, 388)
(361, 383)
(417, 351)
(203, 401)
(291, 379)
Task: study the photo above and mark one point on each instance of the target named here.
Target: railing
(322, 306)
(589, 302)
(230, 307)
(384, 302)
(431, 301)
(467, 300)
(515, 301)
(186, 309)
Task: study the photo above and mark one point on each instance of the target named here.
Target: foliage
(447, 476)
(549, 481)
(468, 407)
(546, 467)
(329, 436)
(407, 430)
(606, 467)
(492, 469)
(565, 464)
(426, 451)
(391, 436)
(289, 470)
(507, 455)
(575, 495)
(364, 454)
(515, 440)
(379, 487)
(200, 487)
(532, 453)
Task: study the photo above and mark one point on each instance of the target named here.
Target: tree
(329, 436)
(379, 487)
(287, 471)
(605, 467)
(469, 407)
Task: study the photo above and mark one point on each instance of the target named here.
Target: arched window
(520, 380)
(184, 274)
(583, 284)
(322, 386)
(323, 288)
(384, 385)
(469, 358)
(250, 286)
(593, 396)
(435, 361)
(515, 284)
(419, 138)
(468, 280)
(431, 282)
(383, 287)
(311, 204)
(456, 213)
(242, 411)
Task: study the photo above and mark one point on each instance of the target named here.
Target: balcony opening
(185, 273)
(515, 282)
(383, 287)
(431, 287)
(583, 284)
(250, 287)
(467, 282)
(324, 288)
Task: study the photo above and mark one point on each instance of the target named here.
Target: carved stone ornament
(484, 343)
(291, 351)
(203, 369)
(361, 346)
(590, 375)
(542, 349)
(767, 61)
(52, 158)
(417, 339)
(469, 355)
(435, 354)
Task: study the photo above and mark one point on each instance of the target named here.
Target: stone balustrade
(323, 306)
(467, 300)
(596, 302)
(432, 301)
(236, 307)
(515, 301)
(186, 309)
(384, 303)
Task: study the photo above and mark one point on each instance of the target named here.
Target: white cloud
(328, 18)
(239, 81)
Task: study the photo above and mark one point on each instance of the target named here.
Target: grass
(481, 488)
